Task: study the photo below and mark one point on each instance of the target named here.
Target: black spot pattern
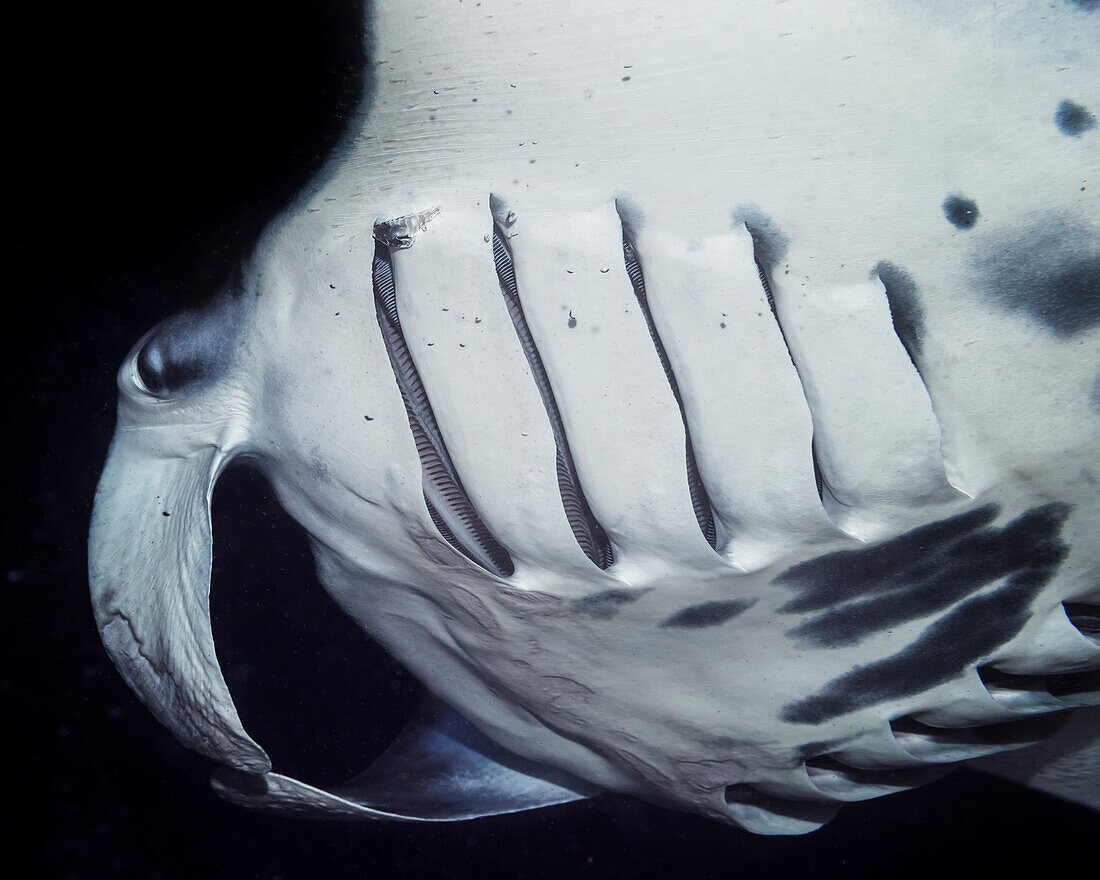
(605, 605)
(864, 592)
(961, 212)
(709, 613)
(960, 638)
(1072, 119)
(1049, 270)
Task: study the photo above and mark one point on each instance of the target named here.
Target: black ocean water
(150, 145)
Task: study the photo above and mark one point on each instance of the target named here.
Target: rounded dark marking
(905, 307)
(961, 212)
(768, 241)
(1049, 270)
(1073, 119)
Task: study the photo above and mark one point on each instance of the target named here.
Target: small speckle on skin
(1073, 120)
(165, 513)
(961, 212)
(708, 614)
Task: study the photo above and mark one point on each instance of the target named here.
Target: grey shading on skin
(950, 645)
(864, 592)
(1088, 5)
(769, 243)
(1095, 396)
(708, 614)
(905, 308)
(607, 604)
(1072, 119)
(961, 212)
(1048, 270)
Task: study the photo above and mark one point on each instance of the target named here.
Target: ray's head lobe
(1047, 270)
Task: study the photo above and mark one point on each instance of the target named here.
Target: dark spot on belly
(958, 639)
(1048, 270)
(1090, 5)
(905, 307)
(1073, 119)
(769, 243)
(709, 613)
(961, 212)
(606, 604)
(863, 592)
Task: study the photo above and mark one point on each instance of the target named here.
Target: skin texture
(734, 253)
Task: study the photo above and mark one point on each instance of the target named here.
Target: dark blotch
(769, 243)
(959, 639)
(709, 613)
(1090, 5)
(1049, 270)
(905, 307)
(1073, 119)
(606, 604)
(961, 212)
(918, 573)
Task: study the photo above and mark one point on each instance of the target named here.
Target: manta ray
(702, 400)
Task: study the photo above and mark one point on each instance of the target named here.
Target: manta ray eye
(187, 350)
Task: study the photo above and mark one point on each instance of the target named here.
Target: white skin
(847, 125)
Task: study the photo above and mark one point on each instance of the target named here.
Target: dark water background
(151, 143)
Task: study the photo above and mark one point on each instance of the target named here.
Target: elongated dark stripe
(588, 532)
(700, 501)
(447, 502)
